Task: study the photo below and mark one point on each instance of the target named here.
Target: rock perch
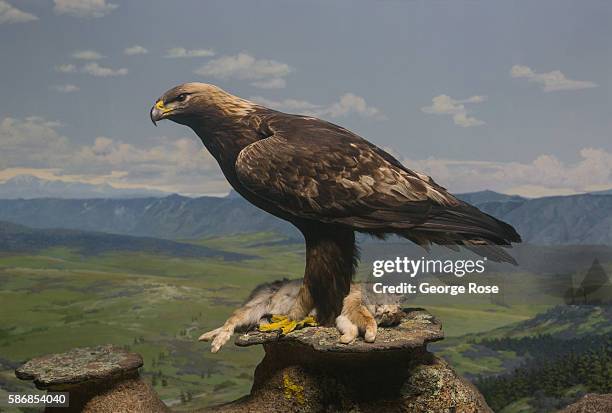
(310, 371)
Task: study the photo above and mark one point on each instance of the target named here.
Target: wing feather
(314, 170)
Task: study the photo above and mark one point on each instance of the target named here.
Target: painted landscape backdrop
(152, 273)
(95, 248)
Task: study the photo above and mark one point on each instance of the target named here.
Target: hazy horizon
(104, 191)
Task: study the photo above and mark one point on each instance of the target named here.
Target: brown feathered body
(329, 183)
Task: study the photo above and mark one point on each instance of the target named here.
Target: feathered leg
(331, 259)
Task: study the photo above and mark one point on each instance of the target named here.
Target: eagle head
(191, 102)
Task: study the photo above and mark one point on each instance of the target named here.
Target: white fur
(348, 330)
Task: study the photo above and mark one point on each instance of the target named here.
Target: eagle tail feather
(469, 220)
(491, 251)
(469, 227)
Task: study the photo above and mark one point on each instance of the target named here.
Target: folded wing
(318, 171)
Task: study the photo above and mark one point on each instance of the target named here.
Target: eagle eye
(181, 97)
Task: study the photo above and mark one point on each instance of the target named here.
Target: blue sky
(511, 96)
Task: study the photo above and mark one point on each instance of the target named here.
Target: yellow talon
(286, 325)
(309, 321)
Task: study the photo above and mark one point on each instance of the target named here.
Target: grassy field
(154, 305)
(158, 306)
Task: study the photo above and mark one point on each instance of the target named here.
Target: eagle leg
(331, 259)
(286, 325)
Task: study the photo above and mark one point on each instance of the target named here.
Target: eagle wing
(315, 170)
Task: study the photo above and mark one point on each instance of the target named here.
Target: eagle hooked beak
(158, 111)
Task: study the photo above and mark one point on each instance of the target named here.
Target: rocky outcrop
(101, 379)
(309, 371)
(591, 403)
(305, 371)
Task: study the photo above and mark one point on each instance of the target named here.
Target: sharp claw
(309, 321)
(278, 321)
(289, 327)
(286, 325)
(270, 327)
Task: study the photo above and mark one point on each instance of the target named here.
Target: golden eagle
(329, 183)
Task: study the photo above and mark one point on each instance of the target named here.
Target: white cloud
(274, 83)
(68, 88)
(348, 104)
(32, 141)
(95, 69)
(181, 165)
(550, 81)
(264, 73)
(135, 50)
(84, 8)
(87, 55)
(34, 146)
(445, 105)
(181, 52)
(11, 14)
(66, 68)
(243, 66)
(545, 175)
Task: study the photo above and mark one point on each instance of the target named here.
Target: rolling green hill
(21, 240)
(539, 364)
(471, 355)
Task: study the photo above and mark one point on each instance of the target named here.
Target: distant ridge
(482, 197)
(172, 217)
(560, 220)
(30, 187)
(606, 192)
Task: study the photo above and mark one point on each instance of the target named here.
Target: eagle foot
(287, 325)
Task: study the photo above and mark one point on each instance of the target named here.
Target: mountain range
(560, 220)
(172, 217)
(29, 187)
(574, 219)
